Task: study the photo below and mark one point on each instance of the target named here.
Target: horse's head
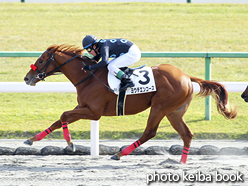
(244, 95)
(44, 64)
(47, 65)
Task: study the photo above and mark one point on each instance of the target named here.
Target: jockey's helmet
(89, 40)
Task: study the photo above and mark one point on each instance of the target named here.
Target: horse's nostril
(25, 79)
(244, 96)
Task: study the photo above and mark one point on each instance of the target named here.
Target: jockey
(122, 51)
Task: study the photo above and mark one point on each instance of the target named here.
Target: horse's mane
(67, 49)
(71, 50)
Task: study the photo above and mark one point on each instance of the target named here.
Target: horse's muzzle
(31, 82)
(245, 97)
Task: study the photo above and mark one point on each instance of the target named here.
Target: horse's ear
(52, 48)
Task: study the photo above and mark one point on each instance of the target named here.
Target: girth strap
(120, 103)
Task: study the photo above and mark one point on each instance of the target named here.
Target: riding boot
(126, 82)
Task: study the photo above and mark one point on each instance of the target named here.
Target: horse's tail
(219, 93)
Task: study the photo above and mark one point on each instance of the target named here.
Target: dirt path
(130, 170)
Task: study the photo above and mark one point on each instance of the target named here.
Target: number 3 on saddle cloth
(143, 80)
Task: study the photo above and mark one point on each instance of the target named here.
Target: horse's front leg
(43, 134)
(40, 136)
(74, 115)
(53, 127)
(65, 119)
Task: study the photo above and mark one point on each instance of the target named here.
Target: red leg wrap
(43, 134)
(130, 148)
(66, 132)
(184, 155)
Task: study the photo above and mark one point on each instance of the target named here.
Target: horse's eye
(40, 61)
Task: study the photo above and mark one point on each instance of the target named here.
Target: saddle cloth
(142, 78)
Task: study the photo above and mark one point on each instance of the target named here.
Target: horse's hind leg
(177, 121)
(152, 125)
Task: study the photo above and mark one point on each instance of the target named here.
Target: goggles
(89, 49)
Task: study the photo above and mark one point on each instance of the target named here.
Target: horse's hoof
(28, 142)
(115, 157)
(73, 147)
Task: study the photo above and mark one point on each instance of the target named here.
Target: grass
(25, 114)
(153, 27)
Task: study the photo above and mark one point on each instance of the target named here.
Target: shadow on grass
(195, 120)
(120, 135)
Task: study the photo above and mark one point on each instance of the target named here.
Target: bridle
(42, 72)
(42, 75)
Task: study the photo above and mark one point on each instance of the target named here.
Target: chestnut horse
(244, 95)
(174, 92)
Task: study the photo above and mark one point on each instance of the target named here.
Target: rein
(85, 78)
(92, 74)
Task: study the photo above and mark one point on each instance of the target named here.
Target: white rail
(68, 87)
